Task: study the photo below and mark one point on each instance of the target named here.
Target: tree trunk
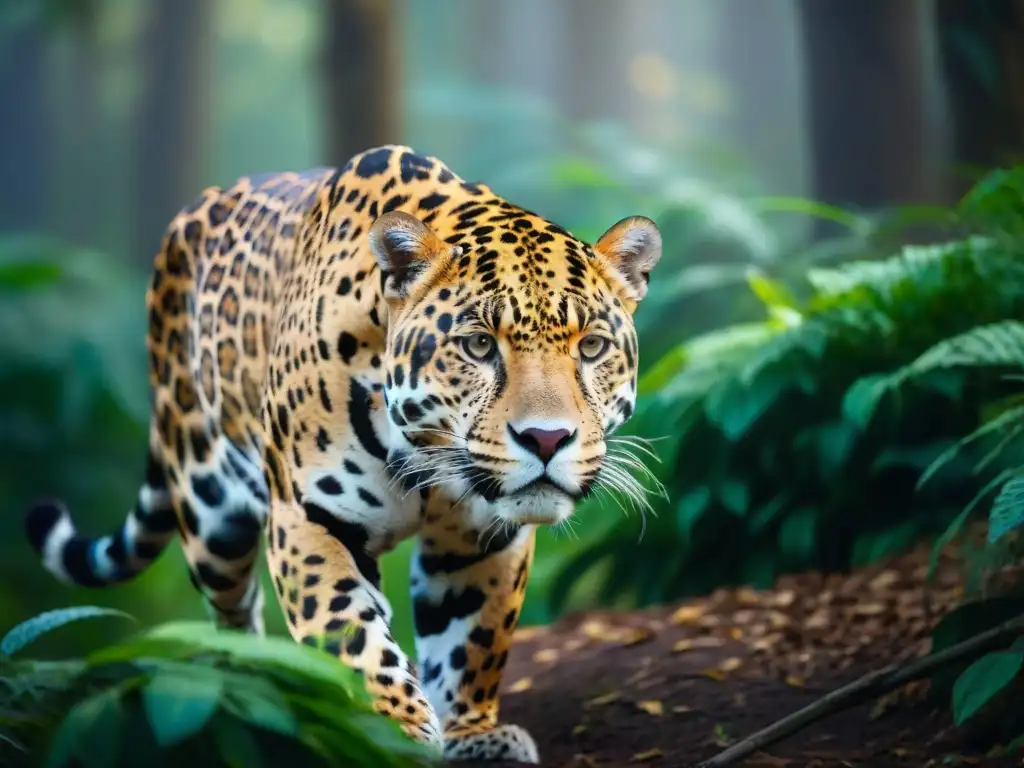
(172, 118)
(986, 104)
(26, 129)
(361, 68)
(868, 102)
(81, 208)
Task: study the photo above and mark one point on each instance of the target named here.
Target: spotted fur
(346, 358)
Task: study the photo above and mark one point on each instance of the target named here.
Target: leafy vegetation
(882, 408)
(183, 692)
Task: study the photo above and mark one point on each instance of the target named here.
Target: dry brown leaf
(687, 614)
(621, 635)
(582, 758)
(524, 634)
(747, 596)
(545, 655)
(652, 707)
(714, 674)
(578, 730)
(784, 598)
(689, 643)
(646, 757)
(680, 709)
(794, 681)
(601, 701)
(520, 685)
(869, 609)
(731, 664)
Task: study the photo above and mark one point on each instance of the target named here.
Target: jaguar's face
(511, 358)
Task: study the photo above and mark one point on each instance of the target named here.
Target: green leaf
(91, 732)
(863, 398)
(1007, 513)
(772, 293)
(982, 680)
(995, 344)
(798, 533)
(31, 630)
(179, 706)
(236, 744)
(735, 496)
(264, 707)
(193, 637)
(25, 275)
(692, 506)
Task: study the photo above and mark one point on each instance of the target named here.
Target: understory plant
(187, 693)
(882, 408)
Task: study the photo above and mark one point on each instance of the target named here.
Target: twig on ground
(869, 686)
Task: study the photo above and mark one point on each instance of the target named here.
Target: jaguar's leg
(466, 603)
(328, 585)
(221, 501)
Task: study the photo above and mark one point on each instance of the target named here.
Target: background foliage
(824, 383)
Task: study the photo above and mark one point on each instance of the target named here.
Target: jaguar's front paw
(506, 742)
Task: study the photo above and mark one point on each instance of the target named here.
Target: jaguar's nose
(542, 443)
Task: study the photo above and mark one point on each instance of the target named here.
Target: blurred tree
(868, 102)
(79, 125)
(27, 126)
(172, 118)
(982, 57)
(360, 64)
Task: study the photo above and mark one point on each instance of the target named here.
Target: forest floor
(675, 685)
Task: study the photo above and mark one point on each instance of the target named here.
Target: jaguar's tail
(104, 560)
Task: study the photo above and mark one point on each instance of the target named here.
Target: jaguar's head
(511, 357)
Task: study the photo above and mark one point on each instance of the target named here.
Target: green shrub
(187, 692)
(799, 442)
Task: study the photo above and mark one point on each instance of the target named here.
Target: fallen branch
(870, 686)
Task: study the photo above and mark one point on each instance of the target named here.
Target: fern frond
(1007, 513)
(1007, 426)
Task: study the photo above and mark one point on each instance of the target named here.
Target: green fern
(187, 690)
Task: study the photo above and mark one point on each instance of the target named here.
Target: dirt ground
(675, 685)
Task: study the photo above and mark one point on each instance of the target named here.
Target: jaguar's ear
(632, 249)
(404, 248)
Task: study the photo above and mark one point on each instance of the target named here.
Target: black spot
(339, 603)
(359, 406)
(238, 536)
(357, 642)
(458, 657)
(314, 560)
(188, 517)
(329, 485)
(348, 345)
(373, 163)
(482, 637)
(323, 440)
(369, 498)
(412, 411)
(209, 489)
(388, 658)
(431, 671)
(431, 201)
(352, 536)
(444, 322)
(351, 467)
(432, 618)
(212, 579)
(309, 606)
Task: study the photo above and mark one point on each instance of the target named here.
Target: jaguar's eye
(479, 346)
(593, 347)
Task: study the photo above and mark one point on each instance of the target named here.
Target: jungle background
(833, 321)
